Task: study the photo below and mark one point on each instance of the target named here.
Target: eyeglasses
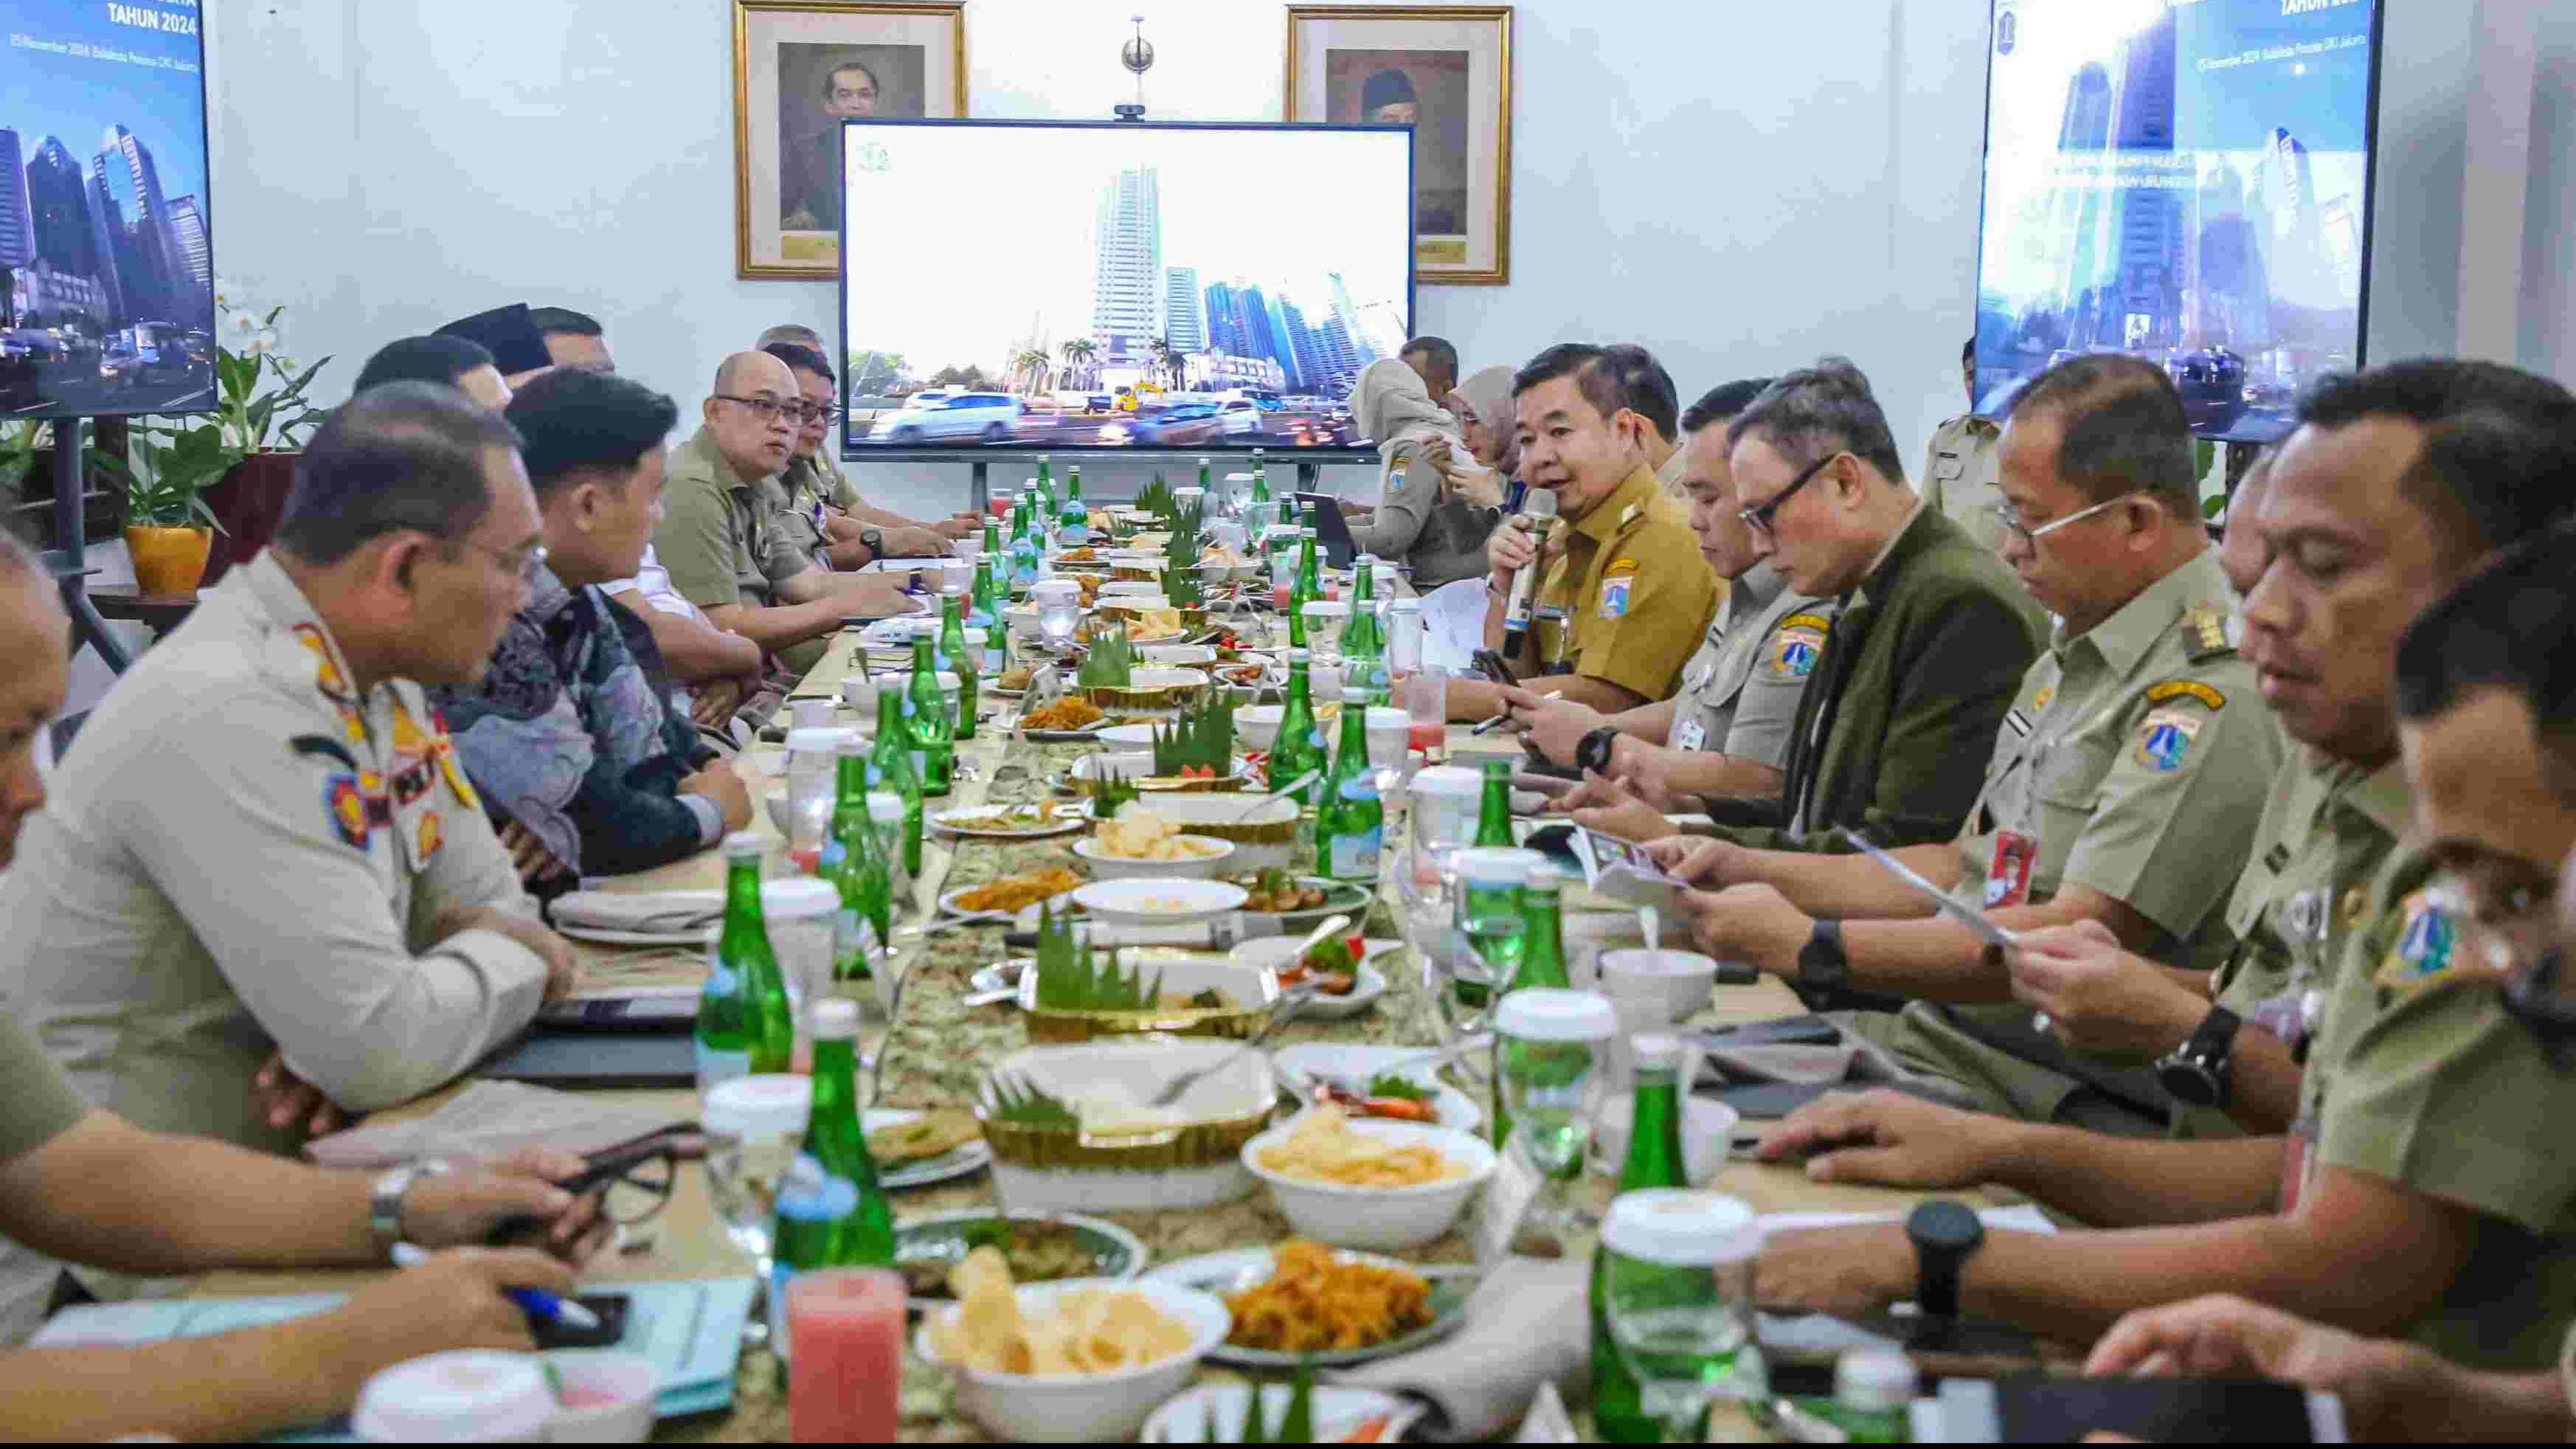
(526, 567)
(811, 412)
(2010, 517)
(633, 1178)
(766, 409)
(1758, 518)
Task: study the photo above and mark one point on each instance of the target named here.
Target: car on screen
(987, 416)
(1242, 415)
(1177, 426)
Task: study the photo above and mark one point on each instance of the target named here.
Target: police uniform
(2134, 763)
(714, 539)
(1959, 470)
(1740, 692)
(1628, 594)
(246, 854)
(798, 536)
(2416, 1076)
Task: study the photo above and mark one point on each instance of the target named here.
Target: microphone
(1538, 512)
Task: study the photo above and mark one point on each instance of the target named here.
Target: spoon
(1291, 788)
(1284, 1011)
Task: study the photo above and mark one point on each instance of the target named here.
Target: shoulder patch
(1614, 594)
(1816, 622)
(2212, 630)
(2186, 689)
(1793, 649)
(2426, 945)
(346, 807)
(2164, 739)
(1620, 566)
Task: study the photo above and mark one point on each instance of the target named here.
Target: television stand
(68, 560)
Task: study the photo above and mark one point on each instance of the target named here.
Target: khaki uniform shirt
(1740, 693)
(244, 854)
(1959, 471)
(714, 540)
(2416, 1076)
(2134, 763)
(37, 1104)
(1669, 477)
(797, 538)
(1628, 596)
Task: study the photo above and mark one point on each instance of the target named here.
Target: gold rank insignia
(2210, 630)
(2046, 693)
(2356, 901)
(1630, 514)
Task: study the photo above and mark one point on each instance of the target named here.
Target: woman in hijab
(1435, 511)
(1483, 406)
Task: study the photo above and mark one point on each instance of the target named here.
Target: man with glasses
(565, 737)
(1928, 637)
(2486, 702)
(1623, 595)
(265, 841)
(714, 536)
(818, 514)
(2421, 1186)
(2124, 788)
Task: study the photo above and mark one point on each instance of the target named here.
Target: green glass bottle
(1304, 589)
(953, 657)
(1364, 677)
(934, 728)
(1494, 813)
(744, 1024)
(832, 1212)
(1299, 747)
(855, 866)
(1073, 519)
(1542, 964)
(1350, 823)
(1654, 1160)
(992, 535)
(1260, 480)
(982, 601)
(1204, 490)
(895, 767)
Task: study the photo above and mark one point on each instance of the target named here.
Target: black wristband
(1594, 752)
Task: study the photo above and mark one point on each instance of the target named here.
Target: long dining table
(937, 1048)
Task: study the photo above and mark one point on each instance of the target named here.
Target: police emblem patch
(346, 806)
(1793, 654)
(2425, 944)
(1614, 596)
(2164, 739)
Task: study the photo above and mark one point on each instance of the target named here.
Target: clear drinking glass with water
(755, 1126)
(1677, 1280)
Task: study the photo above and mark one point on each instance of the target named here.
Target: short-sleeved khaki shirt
(797, 539)
(2416, 1076)
(1628, 595)
(37, 1102)
(1959, 470)
(714, 536)
(1740, 691)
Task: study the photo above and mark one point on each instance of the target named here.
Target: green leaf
(2211, 508)
(273, 314)
(1299, 1425)
(1254, 1430)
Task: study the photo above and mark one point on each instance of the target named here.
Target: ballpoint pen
(537, 1303)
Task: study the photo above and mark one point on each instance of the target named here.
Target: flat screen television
(1118, 286)
(107, 273)
(2183, 180)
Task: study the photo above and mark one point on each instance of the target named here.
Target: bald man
(713, 540)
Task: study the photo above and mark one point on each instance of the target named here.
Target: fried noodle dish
(1313, 1302)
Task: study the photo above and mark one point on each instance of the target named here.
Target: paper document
(1941, 900)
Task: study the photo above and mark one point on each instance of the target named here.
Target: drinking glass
(1426, 707)
(755, 1126)
(1549, 1046)
(1057, 621)
(1681, 1320)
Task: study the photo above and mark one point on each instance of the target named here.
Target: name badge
(1689, 735)
(2008, 876)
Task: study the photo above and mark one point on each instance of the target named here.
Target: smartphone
(609, 1308)
(2034, 1408)
(1490, 664)
(1785, 1031)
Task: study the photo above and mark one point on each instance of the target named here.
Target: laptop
(1332, 531)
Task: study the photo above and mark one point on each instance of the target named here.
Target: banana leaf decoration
(1111, 660)
(1202, 737)
(1181, 581)
(1071, 979)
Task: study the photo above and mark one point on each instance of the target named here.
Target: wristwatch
(873, 540)
(1945, 1235)
(1594, 752)
(385, 1202)
(2199, 1072)
(1823, 969)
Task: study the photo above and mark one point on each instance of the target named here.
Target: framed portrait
(800, 67)
(1446, 70)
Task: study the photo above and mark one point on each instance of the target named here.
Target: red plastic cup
(845, 1364)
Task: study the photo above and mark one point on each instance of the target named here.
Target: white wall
(1738, 186)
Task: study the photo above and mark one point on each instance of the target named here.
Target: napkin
(660, 912)
(488, 1120)
(1528, 1324)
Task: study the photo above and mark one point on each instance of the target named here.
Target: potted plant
(245, 447)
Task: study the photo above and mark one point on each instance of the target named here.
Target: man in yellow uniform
(1625, 594)
(2423, 1189)
(2124, 789)
(1960, 465)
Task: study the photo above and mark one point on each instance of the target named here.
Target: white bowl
(1120, 867)
(631, 1380)
(1088, 1408)
(1183, 654)
(1160, 902)
(1256, 726)
(1708, 1134)
(1198, 1165)
(1133, 736)
(1339, 1412)
(1377, 1217)
(1680, 980)
(1132, 588)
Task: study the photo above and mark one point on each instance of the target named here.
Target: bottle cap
(1656, 1051)
(822, 740)
(1410, 604)
(852, 743)
(768, 1106)
(475, 1396)
(798, 898)
(836, 1018)
(1678, 1228)
(1300, 656)
(1487, 866)
(1544, 878)
(745, 843)
(952, 591)
(1874, 1380)
(1547, 1013)
(1446, 780)
(885, 807)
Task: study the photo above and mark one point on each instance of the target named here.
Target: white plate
(1137, 1255)
(1359, 1063)
(1371, 984)
(1000, 976)
(948, 906)
(961, 822)
(1232, 1271)
(600, 937)
(1339, 1412)
(970, 1158)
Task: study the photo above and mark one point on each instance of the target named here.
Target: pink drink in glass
(845, 1371)
(1430, 738)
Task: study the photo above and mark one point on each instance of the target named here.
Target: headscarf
(1488, 395)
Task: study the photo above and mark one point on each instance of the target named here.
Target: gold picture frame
(1449, 67)
(791, 61)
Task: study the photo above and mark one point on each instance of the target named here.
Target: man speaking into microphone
(1621, 596)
